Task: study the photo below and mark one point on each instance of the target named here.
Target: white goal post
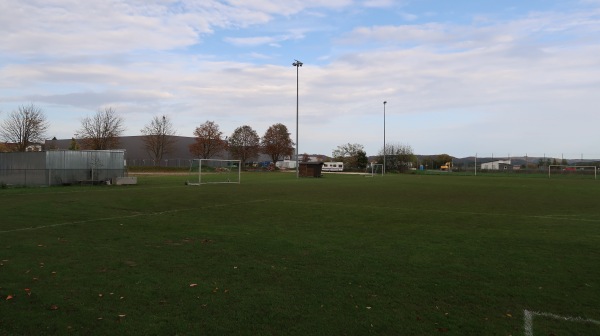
(212, 171)
(375, 169)
(572, 170)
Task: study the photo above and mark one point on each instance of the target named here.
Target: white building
(497, 165)
(286, 164)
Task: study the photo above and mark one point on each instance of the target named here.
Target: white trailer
(333, 166)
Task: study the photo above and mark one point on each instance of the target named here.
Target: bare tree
(209, 141)
(158, 137)
(102, 130)
(243, 143)
(277, 142)
(24, 127)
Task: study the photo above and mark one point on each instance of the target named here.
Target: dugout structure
(61, 167)
(310, 169)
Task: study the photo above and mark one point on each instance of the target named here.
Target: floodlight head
(297, 63)
(385, 102)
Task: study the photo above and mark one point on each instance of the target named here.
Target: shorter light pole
(384, 153)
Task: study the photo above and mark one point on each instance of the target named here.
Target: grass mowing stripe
(86, 190)
(130, 216)
(559, 217)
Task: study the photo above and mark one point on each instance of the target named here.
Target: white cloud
(379, 3)
(485, 79)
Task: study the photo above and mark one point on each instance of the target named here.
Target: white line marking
(129, 216)
(528, 320)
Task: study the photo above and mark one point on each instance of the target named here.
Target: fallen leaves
(9, 297)
(53, 307)
(193, 285)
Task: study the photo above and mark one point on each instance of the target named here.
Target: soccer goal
(376, 169)
(208, 171)
(572, 171)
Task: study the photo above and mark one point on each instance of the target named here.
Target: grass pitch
(340, 255)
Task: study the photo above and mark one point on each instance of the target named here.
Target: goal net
(207, 171)
(565, 171)
(375, 169)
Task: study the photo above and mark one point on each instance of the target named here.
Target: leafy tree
(276, 142)
(398, 157)
(25, 126)
(362, 161)
(441, 159)
(158, 137)
(349, 154)
(564, 162)
(209, 141)
(243, 143)
(73, 145)
(102, 130)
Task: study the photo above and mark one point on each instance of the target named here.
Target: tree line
(27, 126)
(398, 157)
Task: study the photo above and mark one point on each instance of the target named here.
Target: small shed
(310, 169)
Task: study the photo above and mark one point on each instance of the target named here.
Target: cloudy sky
(508, 77)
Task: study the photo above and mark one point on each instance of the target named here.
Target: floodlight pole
(384, 153)
(297, 64)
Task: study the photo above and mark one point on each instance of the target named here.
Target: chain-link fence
(546, 165)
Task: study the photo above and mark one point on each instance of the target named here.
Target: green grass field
(340, 255)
